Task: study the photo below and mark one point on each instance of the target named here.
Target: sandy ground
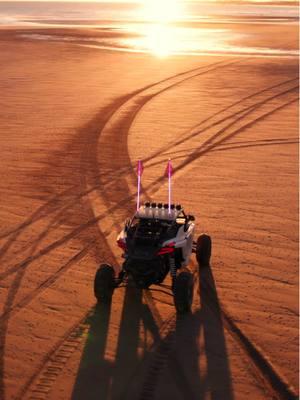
(74, 121)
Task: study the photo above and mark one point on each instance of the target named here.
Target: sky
(282, 2)
(89, 1)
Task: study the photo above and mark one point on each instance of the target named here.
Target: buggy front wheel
(183, 291)
(104, 283)
(203, 250)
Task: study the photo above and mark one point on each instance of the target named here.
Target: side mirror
(191, 218)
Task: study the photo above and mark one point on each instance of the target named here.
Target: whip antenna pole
(169, 171)
(169, 195)
(140, 169)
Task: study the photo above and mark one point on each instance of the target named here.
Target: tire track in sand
(10, 310)
(47, 249)
(46, 208)
(108, 179)
(275, 380)
(38, 215)
(113, 109)
(138, 106)
(51, 205)
(148, 100)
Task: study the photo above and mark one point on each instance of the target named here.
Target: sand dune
(74, 121)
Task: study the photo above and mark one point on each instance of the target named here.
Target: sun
(157, 31)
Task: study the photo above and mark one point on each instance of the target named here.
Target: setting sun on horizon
(158, 35)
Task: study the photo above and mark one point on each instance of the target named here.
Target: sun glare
(159, 40)
(158, 32)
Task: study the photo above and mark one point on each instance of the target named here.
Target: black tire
(203, 250)
(104, 283)
(183, 291)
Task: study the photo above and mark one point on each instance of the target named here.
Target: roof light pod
(147, 204)
(159, 205)
(153, 205)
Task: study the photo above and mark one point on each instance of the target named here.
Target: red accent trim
(121, 244)
(167, 249)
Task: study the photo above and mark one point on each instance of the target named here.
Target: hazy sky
(96, 1)
(283, 2)
(83, 1)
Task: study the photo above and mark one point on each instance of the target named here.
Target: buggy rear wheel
(203, 250)
(104, 283)
(183, 290)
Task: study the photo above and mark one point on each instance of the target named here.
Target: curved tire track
(113, 110)
(140, 106)
(128, 122)
(77, 231)
(40, 214)
(43, 211)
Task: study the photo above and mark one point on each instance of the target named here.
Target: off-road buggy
(158, 240)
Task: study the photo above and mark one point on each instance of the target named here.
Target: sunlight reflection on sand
(164, 39)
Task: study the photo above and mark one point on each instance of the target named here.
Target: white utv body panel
(184, 240)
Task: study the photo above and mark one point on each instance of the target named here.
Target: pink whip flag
(168, 173)
(140, 170)
(169, 169)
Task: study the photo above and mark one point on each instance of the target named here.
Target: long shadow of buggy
(156, 242)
